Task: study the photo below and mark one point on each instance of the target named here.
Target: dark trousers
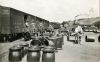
(78, 38)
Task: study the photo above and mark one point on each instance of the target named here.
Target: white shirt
(78, 29)
(26, 24)
(33, 25)
(50, 27)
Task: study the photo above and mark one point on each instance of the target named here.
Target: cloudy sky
(56, 10)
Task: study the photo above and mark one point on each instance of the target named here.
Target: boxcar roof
(22, 12)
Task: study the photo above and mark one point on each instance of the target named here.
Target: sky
(56, 10)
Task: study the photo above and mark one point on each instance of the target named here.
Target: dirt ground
(86, 52)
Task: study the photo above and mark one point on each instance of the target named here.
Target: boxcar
(5, 28)
(55, 25)
(12, 23)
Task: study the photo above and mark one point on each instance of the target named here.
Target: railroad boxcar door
(16, 21)
(5, 20)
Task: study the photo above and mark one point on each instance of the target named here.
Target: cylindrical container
(99, 38)
(22, 49)
(62, 37)
(50, 43)
(33, 54)
(48, 54)
(15, 54)
(36, 42)
(25, 45)
(90, 38)
(44, 42)
(59, 43)
(54, 40)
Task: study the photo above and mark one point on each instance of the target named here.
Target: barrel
(54, 40)
(90, 38)
(36, 42)
(59, 43)
(25, 45)
(71, 38)
(33, 54)
(15, 54)
(62, 38)
(48, 54)
(23, 48)
(44, 42)
(99, 38)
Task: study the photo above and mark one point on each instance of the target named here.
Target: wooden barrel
(90, 38)
(54, 40)
(36, 42)
(59, 43)
(62, 37)
(33, 54)
(44, 42)
(72, 38)
(15, 54)
(22, 49)
(48, 54)
(25, 45)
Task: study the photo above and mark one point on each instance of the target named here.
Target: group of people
(38, 31)
(78, 32)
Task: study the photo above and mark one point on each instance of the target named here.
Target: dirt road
(86, 52)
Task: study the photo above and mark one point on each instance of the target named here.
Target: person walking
(78, 34)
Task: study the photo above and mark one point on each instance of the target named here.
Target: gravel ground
(86, 52)
(79, 53)
(4, 49)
